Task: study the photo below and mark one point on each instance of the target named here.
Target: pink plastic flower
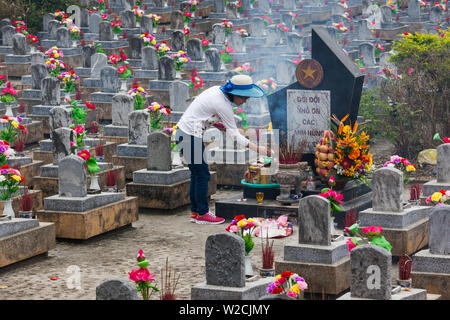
(140, 254)
(351, 245)
(141, 275)
(302, 285)
(372, 231)
(291, 294)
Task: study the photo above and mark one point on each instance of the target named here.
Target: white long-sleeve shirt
(210, 107)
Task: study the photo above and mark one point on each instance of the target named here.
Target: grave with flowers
(162, 184)
(319, 255)
(389, 28)
(67, 135)
(19, 62)
(371, 271)
(78, 214)
(431, 267)
(225, 272)
(122, 105)
(404, 225)
(8, 32)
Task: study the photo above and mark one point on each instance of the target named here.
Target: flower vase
(248, 266)
(94, 186)
(178, 74)
(9, 112)
(340, 184)
(33, 50)
(138, 24)
(74, 43)
(26, 214)
(176, 159)
(116, 36)
(266, 272)
(165, 5)
(8, 209)
(66, 95)
(123, 86)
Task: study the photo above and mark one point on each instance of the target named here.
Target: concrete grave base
(84, 225)
(167, 197)
(161, 177)
(436, 283)
(391, 34)
(412, 294)
(34, 132)
(17, 70)
(116, 131)
(316, 253)
(394, 219)
(27, 243)
(131, 164)
(407, 240)
(329, 279)
(251, 291)
(81, 204)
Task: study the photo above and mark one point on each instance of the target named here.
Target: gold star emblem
(309, 73)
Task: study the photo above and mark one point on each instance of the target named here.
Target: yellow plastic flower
(140, 89)
(15, 124)
(278, 277)
(250, 220)
(56, 55)
(410, 168)
(15, 177)
(242, 223)
(295, 289)
(436, 196)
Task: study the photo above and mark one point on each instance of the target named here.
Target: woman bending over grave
(214, 107)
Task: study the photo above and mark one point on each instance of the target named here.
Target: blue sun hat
(243, 86)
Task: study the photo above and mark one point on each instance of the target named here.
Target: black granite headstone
(340, 76)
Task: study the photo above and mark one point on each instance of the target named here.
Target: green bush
(413, 104)
(32, 11)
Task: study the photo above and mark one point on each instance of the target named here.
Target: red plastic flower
(79, 129)
(90, 105)
(239, 217)
(286, 274)
(85, 155)
(141, 275)
(446, 139)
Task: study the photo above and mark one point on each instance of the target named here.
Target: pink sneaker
(209, 218)
(194, 217)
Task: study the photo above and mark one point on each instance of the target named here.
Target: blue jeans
(192, 149)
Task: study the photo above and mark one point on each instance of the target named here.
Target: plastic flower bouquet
(378, 49)
(101, 5)
(10, 180)
(114, 59)
(196, 81)
(32, 39)
(138, 12)
(245, 69)
(55, 66)
(267, 20)
(142, 277)
(5, 151)
(243, 227)
(157, 114)
(68, 80)
(78, 113)
(187, 32)
(439, 198)
(243, 33)
(149, 39)
(60, 15)
(162, 49)
(334, 197)
(187, 16)
(180, 58)
(268, 85)
(125, 71)
(288, 283)
(225, 53)
(193, 5)
(205, 44)
(9, 94)
(369, 235)
(54, 52)
(75, 32)
(91, 162)
(282, 27)
(352, 153)
(241, 114)
(155, 19)
(138, 94)
(9, 134)
(81, 133)
(228, 26)
(116, 26)
(403, 165)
